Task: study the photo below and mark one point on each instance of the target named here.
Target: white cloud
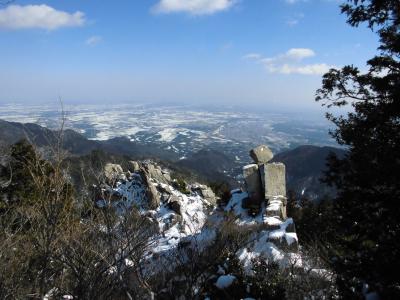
(38, 16)
(295, 1)
(253, 56)
(193, 7)
(290, 62)
(93, 40)
(313, 69)
(294, 19)
(299, 53)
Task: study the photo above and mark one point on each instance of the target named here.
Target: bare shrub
(53, 244)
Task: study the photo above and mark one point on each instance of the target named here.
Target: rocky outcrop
(182, 216)
(265, 182)
(154, 178)
(156, 183)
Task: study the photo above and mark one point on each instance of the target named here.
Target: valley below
(213, 142)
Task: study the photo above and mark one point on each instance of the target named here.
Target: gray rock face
(152, 196)
(113, 172)
(252, 181)
(155, 172)
(205, 192)
(273, 179)
(261, 154)
(135, 166)
(167, 176)
(208, 194)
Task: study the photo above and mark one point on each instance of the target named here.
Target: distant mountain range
(305, 164)
(304, 168)
(76, 144)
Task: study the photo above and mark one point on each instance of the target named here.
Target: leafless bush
(54, 244)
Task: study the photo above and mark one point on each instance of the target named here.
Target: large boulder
(166, 175)
(113, 172)
(273, 178)
(152, 196)
(157, 173)
(134, 166)
(207, 193)
(252, 181)
(261, 154)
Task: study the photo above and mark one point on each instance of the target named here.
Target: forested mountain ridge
(305, 164)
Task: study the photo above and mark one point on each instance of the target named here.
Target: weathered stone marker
(252, 180)
(261, 154)
(265, 182)
(273, 179)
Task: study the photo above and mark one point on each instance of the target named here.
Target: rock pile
(265, 183)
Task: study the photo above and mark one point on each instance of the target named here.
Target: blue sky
(268, 53)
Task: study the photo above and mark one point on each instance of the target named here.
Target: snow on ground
(274, 205)
(259, 244)
(235, 206)
(132, 191)
(193, 219)
(225, 281)
(168, 134)
(259, 248)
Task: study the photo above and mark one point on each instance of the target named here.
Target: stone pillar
(266, 181)
(273, 179)
(252, 181)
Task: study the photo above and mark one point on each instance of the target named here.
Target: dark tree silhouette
(368, 177)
